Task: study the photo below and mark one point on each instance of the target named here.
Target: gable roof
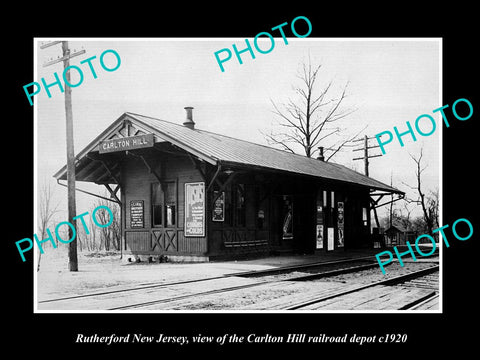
(220, 149)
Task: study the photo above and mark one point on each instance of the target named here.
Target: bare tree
(110, 235)
(407, 218)
(309, 119)
(82, 238)
(429, 204)
(390, 217)
(46, 210)
(433, 207)
(93, 236)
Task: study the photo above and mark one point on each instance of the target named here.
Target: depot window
(235, 205)
(240, 209)
(164, 204)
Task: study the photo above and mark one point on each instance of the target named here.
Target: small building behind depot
(193, 195)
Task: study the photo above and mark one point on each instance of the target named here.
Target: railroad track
(267, 279)
(270, 276)
(277, 304)
(325, 268)
(424, 277)
(254, 273)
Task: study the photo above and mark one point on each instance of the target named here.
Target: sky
(390, 82)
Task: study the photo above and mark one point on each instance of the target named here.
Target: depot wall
(263, 211)
(137, 184)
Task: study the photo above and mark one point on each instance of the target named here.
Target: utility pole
(72, 249)
(365, 158)
(365, 148)
(391, 202)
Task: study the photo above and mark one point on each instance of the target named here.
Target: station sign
(126, 143)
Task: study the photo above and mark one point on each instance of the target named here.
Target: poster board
(218, 212)
(136, 214)
(319, 230)
(194, 209)
(330, 238)
(319, 236)
(340, 223)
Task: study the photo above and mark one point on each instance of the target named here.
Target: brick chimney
(189, 120)
(320, 154)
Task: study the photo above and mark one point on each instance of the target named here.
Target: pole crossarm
(64, 58)
(368, 147)
(48, 44)
(366, 156)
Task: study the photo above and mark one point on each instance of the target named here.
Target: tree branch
(345, 142)
(305, 119)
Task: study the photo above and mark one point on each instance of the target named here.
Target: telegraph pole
(72, 249)
(365, 156)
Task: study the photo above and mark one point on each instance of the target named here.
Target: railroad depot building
(194, 195)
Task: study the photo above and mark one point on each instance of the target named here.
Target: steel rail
(241, 274)
(390, 281)
(238, 287)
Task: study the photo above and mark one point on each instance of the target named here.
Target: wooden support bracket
(400, 197)
(147, 165)
(109, 171)
(197, 166)
(89, 193)
(224, 185)
(113, 192)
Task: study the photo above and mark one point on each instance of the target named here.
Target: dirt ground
(104, 271)
(101, 271)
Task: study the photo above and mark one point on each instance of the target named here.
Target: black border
(54, 334)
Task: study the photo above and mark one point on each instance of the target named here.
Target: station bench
(245, 244)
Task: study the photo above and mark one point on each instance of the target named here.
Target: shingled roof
(224, 150)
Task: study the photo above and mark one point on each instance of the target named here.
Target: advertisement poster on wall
(340, 224)
(136, 214)
(319, 236)
(319, 244)
(331, 237)
(218, 213)
(195, 209)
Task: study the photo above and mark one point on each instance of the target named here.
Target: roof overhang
(105, 168)
(375, 187)
(92, 166)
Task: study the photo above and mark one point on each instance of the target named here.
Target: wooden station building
(194, 195)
